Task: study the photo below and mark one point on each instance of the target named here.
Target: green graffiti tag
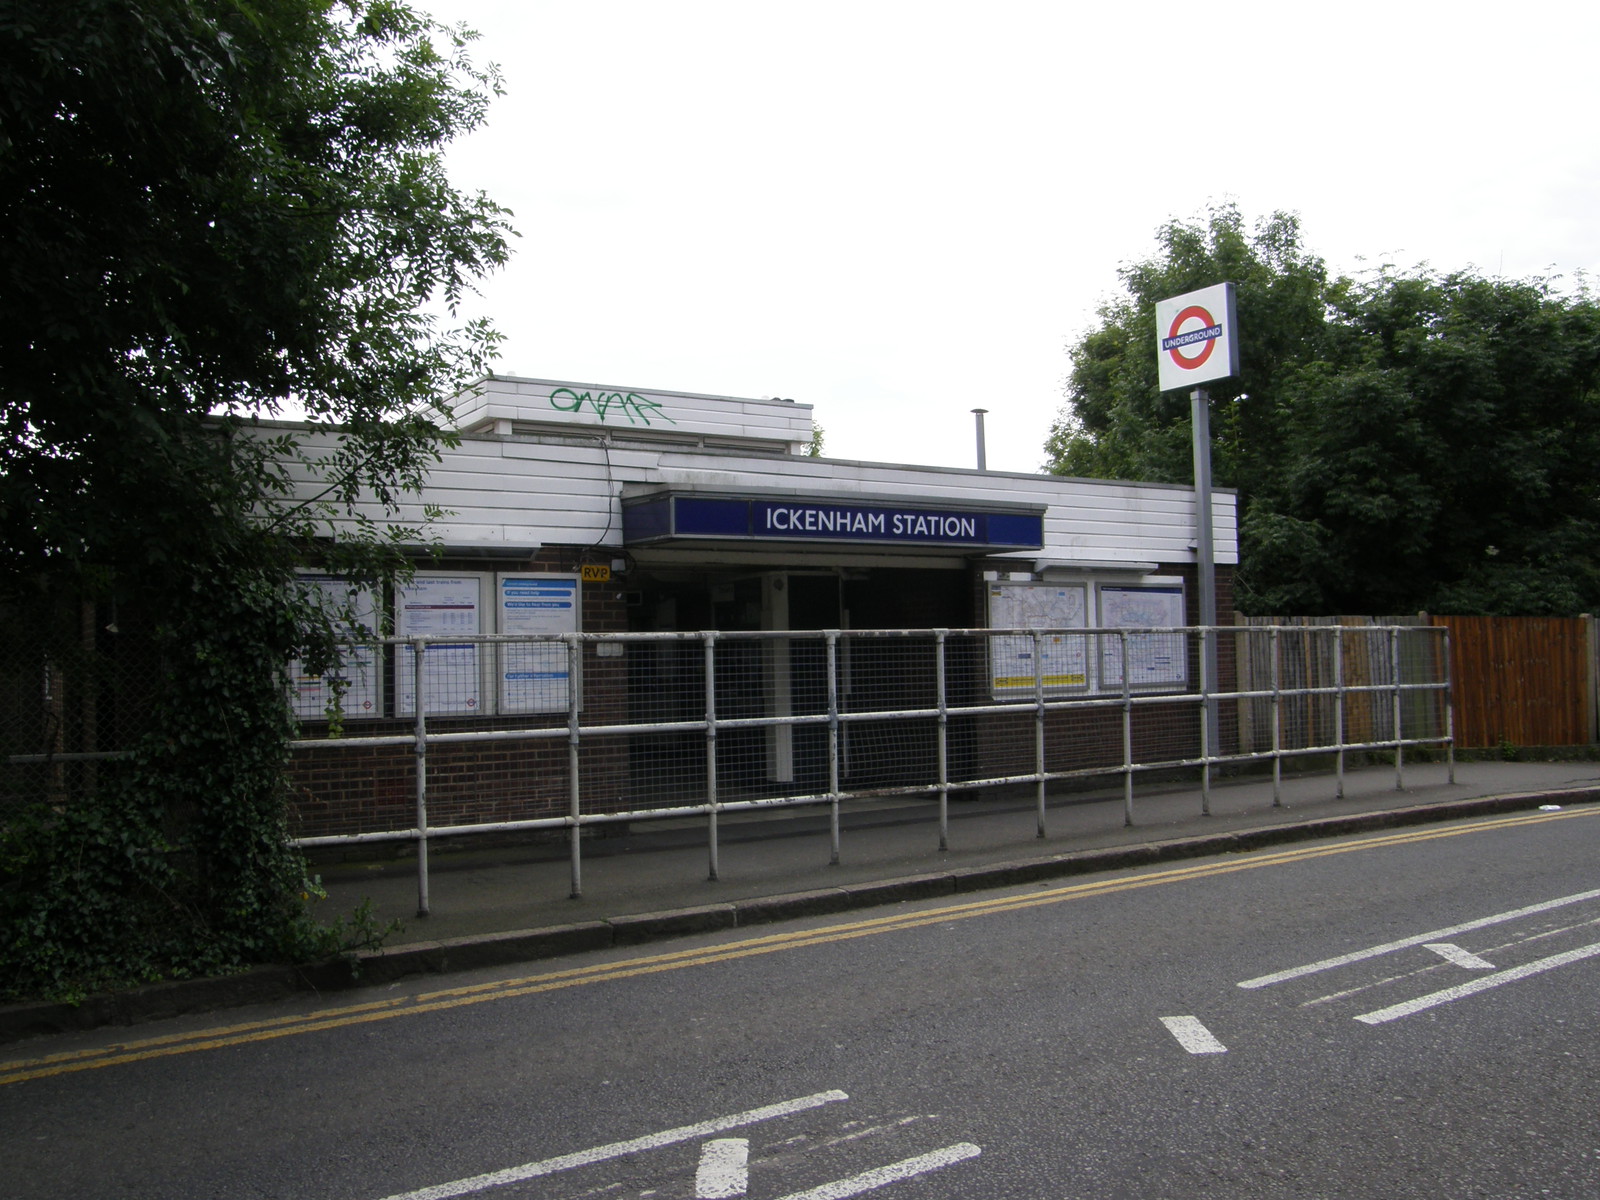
(631, 405)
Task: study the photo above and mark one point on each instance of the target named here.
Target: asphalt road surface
(1404, 1015)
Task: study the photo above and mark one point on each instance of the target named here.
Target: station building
(575, 507)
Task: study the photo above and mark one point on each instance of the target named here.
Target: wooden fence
(1522, 681)
(1516, 681)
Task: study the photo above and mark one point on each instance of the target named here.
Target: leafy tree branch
(1401, 441)
(212, 212)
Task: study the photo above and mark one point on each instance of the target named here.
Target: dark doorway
(890, 674)
(814, 603)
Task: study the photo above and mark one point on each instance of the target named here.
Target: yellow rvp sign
(595, 573)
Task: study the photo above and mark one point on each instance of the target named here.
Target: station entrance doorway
(772, 677)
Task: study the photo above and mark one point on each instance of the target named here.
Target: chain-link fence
(576, 730)
(72, 697)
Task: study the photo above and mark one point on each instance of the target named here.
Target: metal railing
(615, 728)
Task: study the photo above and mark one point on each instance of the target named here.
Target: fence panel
(1522, 681)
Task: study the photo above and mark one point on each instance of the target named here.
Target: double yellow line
(447, 998)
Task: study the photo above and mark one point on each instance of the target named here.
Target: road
(1405, 1015)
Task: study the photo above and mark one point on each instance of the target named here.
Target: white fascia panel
(633, 411)
(524, 491)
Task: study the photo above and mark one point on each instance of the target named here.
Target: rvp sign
(1196, 337)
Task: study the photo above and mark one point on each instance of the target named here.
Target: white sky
(899, 210)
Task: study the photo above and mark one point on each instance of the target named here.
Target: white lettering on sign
(823, 520)
(922, 525)
(852, 521)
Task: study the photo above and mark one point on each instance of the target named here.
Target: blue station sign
(670, 516)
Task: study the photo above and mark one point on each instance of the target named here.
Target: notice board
(440, 606)
(534, 676)
(1062, 662)
(352, 688)
(1155, 658)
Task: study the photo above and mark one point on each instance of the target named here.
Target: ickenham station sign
(674, 516)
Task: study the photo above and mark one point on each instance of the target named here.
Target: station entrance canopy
(668, 517)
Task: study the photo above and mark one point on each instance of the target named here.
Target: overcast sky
(899, 210)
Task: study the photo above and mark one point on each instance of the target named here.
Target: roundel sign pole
(1196, 343)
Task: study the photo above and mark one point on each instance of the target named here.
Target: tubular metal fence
(572, 732)
(568, 732)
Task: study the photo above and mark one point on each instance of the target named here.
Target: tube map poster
(1062, 658)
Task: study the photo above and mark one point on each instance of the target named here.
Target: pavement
(510, 903)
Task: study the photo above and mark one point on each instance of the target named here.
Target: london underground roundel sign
(1196, 338)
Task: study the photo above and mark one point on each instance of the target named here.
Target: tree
(1441, 454)
(1400, 442)
(1120, 425)
(211, 211)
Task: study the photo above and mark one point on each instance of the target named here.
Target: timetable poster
(351, 688)
(444, 607)
(1157, 656)
(534, 675)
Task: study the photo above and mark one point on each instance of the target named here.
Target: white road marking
(1356, 991)
(1462, 958)
(651, 1141)
(724, 1169)
(856, 1135)
(893, 1173)
(1415, 940)
(1558, 931)
(1482, 984)
(1193, 1036)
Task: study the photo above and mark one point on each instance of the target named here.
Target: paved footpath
(513, 903)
